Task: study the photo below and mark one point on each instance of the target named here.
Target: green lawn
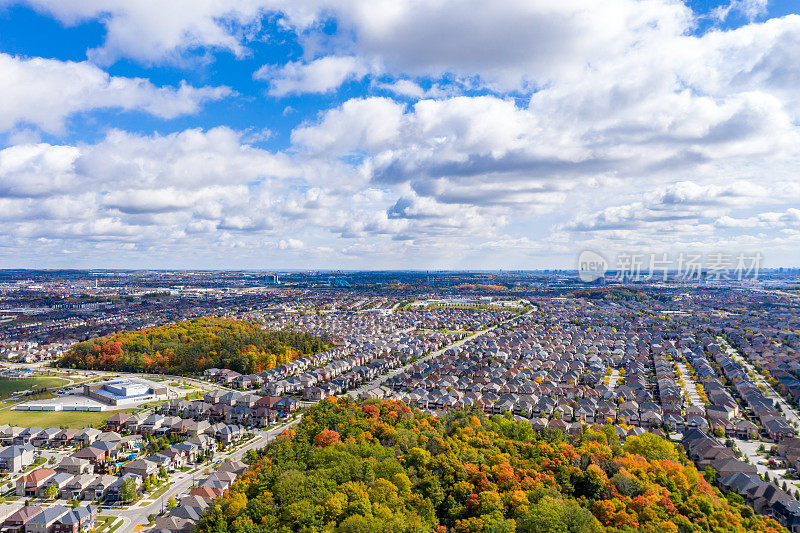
(104, 522)
(116, 527)
(157, 494)
(10, 386)
(45, 419)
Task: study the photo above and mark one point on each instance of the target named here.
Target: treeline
(380, 467)
(192, 346)
(614, 293)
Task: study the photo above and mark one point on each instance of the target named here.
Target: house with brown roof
(16, 521)
(64, 437)
(95, 456)
(30, 483)
(174, 524)
(267, 401)
(206, 492)
(117, 420)
(182, 426)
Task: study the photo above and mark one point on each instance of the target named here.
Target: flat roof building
(122, 391)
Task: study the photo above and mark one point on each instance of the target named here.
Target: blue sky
(344, 134)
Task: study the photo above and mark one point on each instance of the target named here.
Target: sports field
(10, 386)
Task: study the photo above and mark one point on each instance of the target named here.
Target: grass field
(103, 523)
(48, 419)
(10, 386)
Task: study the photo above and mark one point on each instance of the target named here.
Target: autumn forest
(192, 346)
(379, 466)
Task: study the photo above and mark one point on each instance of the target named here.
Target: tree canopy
(381, 467)
(192, 346)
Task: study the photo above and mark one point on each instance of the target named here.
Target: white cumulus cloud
(46, 92)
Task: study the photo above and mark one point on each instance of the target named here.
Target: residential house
(286, 405)
(86, 436)
(787, 512)
(762, 498)
(15, 458)
(117, 421)
(78, 519)
(151, 424)
(140, 467)
(177, 458)
(8, 434)
(114, 490)
(110, 449)
(27, 435)
(230, 434)
(16, 521)
(173, 524)
(98, 488)
(727, 466)
(64, 437)
(75, 466)
(45, 437)
(198, 428)
(134, 422)
(30, 483)
(95, 456)
(59, 481)
(213, 397)
(77, 487)
(44, 521)
(189, 450)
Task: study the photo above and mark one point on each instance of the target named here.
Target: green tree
(128, 490)
(50, 492)
(589, 483)
(359, 524)
(651, 447)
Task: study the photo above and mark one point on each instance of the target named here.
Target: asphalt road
(183, 482)
(690, 387)
(788, 411)
(381, 379)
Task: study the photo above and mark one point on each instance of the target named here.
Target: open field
(10, 386)
(72, 419)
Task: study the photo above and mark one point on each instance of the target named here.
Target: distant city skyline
(458, 135)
